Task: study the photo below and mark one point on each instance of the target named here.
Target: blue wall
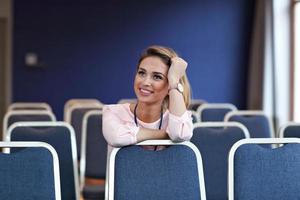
(89, 48)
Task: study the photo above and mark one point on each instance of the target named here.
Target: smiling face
(151, 82)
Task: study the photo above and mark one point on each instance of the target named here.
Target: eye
(157, 77)
(141, 73)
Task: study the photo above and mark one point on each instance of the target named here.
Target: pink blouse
(119, 128)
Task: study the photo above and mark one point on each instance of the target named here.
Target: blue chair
(75, 102)
(74, 116)
(256, 172)
(61, 136)
(195, 103)
(93, 155)
(30, 173)
(29, 106)
(291, 129)
(214, 112)
(258, 124)
(172, 173)
(214, 140)
(26, 115)
(194, 116)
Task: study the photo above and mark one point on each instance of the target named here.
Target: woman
(163, 94)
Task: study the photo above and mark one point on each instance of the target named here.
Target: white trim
(250, 141)
(72, 102)
(107, 175)
(54, 157)
(223, 124)
(82, 162)
(122, 101)
(70, 109)
(250, 113)
(73, 143)
(214, 106)
(26, 105)
(25, 112)
(283, 127)
(158, 142)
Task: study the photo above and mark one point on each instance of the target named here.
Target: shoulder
(121, 111)
(116, 108)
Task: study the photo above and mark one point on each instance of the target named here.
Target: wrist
(173, 83)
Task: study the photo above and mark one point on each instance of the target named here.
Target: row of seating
(254, 172)
(210, 145)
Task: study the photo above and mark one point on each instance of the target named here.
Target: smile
(145, 92)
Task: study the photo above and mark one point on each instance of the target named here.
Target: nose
(147, 81)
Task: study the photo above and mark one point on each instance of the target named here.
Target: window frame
(295, 72)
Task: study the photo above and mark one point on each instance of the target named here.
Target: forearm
(176, 103)
(151, 134)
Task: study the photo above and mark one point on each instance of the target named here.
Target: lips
(145, 92)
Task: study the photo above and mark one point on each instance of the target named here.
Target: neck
(149, 112)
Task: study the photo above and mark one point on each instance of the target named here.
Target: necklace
(135, 117)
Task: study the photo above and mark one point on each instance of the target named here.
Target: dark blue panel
(89, 49)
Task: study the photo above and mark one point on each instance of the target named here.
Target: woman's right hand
(177, 70)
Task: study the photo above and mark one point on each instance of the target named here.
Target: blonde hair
(166, 54)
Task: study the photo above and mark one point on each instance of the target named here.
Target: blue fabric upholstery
(264, 173)
(59, 138)
(96, 148)
(96, 153)
(27, 174)
(76, 121)
(167, 174)
(214, 145)
(258, 126)
(27, 118)
(213, 114)
(292, 131)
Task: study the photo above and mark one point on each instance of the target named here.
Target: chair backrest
(93, 147)
(258, 123)
(31, 173)
(122, 101)
(75, 117)
(195, 116)
(291, 129)
(214, 112)
(195, 103)
(214, 140)
(29, 106)
(255, 172)
(26, 115)
(72, 102)
(172, 173)
(61, 136)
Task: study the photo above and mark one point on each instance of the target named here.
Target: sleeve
(116, 130)
(180, 128)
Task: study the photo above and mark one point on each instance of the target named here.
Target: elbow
(118, 138)
(116, 142)
(181, 137)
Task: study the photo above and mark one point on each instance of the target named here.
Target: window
(296, 67)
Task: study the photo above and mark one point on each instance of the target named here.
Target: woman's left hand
(177, 70)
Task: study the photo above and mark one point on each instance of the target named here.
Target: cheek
(163, 87)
